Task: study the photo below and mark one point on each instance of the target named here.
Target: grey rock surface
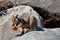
(51, 5)
(37, 3)
(48, 34)
(6, 32)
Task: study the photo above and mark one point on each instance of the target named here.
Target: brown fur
(30, 24)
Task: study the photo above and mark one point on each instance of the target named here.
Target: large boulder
(6, 32)
(51, 5)
(48, 34)
(39, 3)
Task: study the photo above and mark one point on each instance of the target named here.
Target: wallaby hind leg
(32, 22)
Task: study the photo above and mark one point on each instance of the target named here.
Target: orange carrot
(14, 27)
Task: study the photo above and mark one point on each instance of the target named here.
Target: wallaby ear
(14, 17)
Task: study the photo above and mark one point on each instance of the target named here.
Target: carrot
(14, 27)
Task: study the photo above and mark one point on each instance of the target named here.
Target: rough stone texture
(51, 5)
(51, 20)
(6, 32)
(48, 34)
(39, 3)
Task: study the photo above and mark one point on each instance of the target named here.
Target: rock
(51, 20)
(2, 5)
(51, 5)
(39, 3)
(5, 5)
(7, 32)
(9, 4)
(48, 34)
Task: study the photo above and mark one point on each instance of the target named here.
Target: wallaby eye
(16, 20)
(22, 21)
